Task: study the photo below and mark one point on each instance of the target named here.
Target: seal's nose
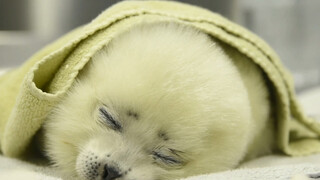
(110, 173)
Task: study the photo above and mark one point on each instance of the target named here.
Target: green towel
(28, 93)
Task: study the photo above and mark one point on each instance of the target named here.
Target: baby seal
(161, 101)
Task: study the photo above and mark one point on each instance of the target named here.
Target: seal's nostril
(110, 173)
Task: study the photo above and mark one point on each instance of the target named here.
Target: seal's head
(161, 101)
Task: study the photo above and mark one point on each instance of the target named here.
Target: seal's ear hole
(133, 114)
(163, 135)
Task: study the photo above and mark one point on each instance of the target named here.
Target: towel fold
(28, 93)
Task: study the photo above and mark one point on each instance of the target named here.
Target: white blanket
(273, 167)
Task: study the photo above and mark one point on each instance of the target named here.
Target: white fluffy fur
(209, 105)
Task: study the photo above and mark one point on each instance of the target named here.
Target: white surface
(12, 169)
(271, 173)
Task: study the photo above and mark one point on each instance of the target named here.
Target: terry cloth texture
(28, 93)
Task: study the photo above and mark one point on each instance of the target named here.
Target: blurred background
(291, 27)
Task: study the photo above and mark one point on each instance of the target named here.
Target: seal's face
(139, 142)
(152, 107)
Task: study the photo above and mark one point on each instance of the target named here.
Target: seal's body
(161, 101)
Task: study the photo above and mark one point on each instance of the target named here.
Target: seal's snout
(110, 173)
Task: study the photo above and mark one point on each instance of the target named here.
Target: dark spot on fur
(133, 114)
(163, 135)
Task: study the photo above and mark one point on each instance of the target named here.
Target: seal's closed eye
(109, 119)
(169, 160)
